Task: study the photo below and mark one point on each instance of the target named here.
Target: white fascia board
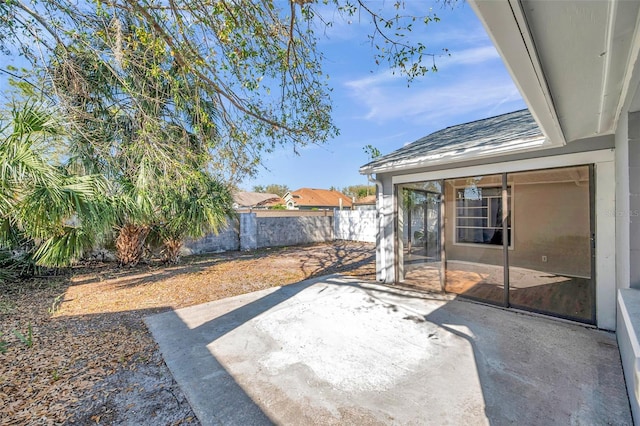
(565, 160)
(631, 76)
(506, 25)
(515, 146)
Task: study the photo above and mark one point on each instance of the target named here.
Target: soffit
(584, 48)
(575, 62)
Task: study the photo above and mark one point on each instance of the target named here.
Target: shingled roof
(506, 133)
(255, 199)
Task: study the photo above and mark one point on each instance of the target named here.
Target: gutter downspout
(379, 198)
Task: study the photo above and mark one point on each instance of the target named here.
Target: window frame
(510, 189)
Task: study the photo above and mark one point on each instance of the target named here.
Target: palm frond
(40, 201)
(32, 118)
(7, 266)
(64, 249)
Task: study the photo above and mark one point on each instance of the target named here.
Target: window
(479, 215)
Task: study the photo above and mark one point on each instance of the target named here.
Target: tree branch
(42, 22)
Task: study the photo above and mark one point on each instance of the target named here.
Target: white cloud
(371, 81)
(471, 56)
(470, 80)
(453, 35)
(437, 101)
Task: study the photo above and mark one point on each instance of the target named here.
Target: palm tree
(48, 216)
(203, 206)
(149, 126)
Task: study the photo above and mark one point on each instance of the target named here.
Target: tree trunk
(171, 250)
(130, 243)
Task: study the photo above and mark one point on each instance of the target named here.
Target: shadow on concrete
(540, 370)
(530, 370)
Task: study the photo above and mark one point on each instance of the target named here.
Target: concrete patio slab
(335, 350)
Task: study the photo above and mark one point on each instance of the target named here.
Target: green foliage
(152, 129)
(279, 190)
(43, 208)
(409, 199)
(55, 306)
(148, 62)
(55, 375)
(51, 215)
(7, 266)
(371, 151)
(26, 340)
(245, 76)
(165, 105)
(17, 261)
(359, 191)
(201, 207)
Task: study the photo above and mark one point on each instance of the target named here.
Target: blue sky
(373, 106)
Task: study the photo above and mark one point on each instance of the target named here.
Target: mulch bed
(78, 352)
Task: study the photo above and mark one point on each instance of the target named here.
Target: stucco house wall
(598, 151)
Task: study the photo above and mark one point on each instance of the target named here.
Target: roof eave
(506, 25)
(455, 156)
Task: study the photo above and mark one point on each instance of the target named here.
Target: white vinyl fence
(355, 225)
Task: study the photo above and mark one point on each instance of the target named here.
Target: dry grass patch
(91, 360)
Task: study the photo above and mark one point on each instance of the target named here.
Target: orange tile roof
(311, 197)
(369, 199)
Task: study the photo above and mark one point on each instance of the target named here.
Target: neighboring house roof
(311, 197)
(272, 203)
(506, 133)
(255, 199)
(369, 199)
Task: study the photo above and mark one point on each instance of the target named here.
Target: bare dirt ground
(77, 352)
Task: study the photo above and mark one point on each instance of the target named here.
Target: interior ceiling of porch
(575, 62)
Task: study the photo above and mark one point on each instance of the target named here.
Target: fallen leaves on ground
(77, 351)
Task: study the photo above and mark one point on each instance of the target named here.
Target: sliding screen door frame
(507, 222)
